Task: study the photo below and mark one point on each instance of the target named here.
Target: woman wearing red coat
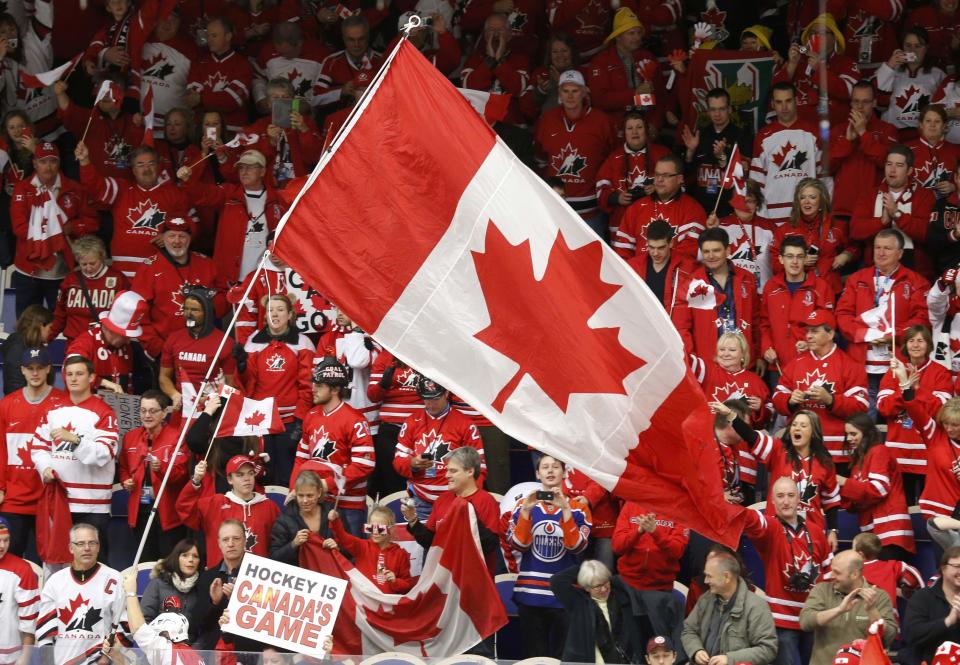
(828, 249)
(278, 364)
(934, 388)
(144, 457)
(874, 490)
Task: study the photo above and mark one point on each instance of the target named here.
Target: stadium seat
(392, 501)
(119, 500)
(466, 659)
(505, 582)
(277, 494)
(392, 658)
(848, 524)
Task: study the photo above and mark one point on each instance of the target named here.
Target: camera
(428, 21)
(801, 580)
(910, 57)
(409, 502)
(637, 192)
(544, 496)
(813, 249)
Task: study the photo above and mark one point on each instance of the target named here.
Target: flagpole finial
(413, 22)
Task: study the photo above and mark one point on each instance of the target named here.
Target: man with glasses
(81, 605)
(76, 443)
(707, 152)
(146, 453)
(137, 208)
(788, 299)
(667, 203)
(933, 614)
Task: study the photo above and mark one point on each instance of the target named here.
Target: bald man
(840, 611)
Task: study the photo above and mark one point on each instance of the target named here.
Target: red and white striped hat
(947, 653)
(125, 315)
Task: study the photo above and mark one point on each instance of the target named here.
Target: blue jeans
(424, 508)
(794, 647)
(873, 389)
(353, 520)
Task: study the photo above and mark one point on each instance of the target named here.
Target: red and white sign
(467, 266)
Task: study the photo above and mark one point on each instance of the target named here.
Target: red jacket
(864, 311)
(584, 20)
(573, 151)
(70, 198)
(915, 205)
(841, 72)
(696, 314)
(110, 140)
(648, 561)
(841, 376)
(941, 492)
(224, 85)
(72, 314)
(782, 313)
(424, 434)
(603, 505)
(19, 480)
(903, 434)
(933, 163)
(828, 235)
(678, 271)
(874, 491)
(207, 513)
(108, 363)
(230, 200)
(280, 368)
(783, 555)
(611, 90)
(133, 466)
(527, 22)
(337, 69)
(292, 157)
(137, 212)
(510, 75)
(622, 170)
(858, 164)
(682, 212)
(369, 559)
(159, 281)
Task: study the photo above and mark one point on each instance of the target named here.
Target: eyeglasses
(599, 587)
(376, 529)
(83, 544)
(952, 565)
(151, 412)
(664, 176)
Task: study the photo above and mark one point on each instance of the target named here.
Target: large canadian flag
(450, 609)
(466, 266)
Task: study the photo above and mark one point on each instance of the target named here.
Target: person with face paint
(189, 351)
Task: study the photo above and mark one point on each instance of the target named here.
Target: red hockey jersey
(399, 400)
(280, 367)
(868, 304)
(573, 150)
(72, 315)
(109, 364)
(621, 171)
(719, 385)
(137, 212)
(586, 21)
(19, 605)
(941, 492)
(207, 513)
(933, 163)
(19, 419)
(841, 376)
(223, 82)
(110, 140)
(134, 466)
(786, 550)
(648, 561)
(342, 439)
(782, 313)
(874, 491)
(435, 437)
(682, 212)
(189, 357)
(903, 435)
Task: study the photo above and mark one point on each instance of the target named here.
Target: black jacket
(923, 626)
(581, 643)
(284, 530)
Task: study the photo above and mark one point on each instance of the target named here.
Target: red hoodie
(648, 561)
(369, 559)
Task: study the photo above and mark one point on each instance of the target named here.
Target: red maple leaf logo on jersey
(904, 98)
(66, 613)
(781, 156)
(714, 16)
(816, 378)
(255, 419)
(728, 391)
(508, 282)
(215, 82)
(294, 74)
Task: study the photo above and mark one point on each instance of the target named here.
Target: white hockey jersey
(909, 94)
(783, 156)
(19, 604)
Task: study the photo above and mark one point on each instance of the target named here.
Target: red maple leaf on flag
(66, 613)
(779, 157)
(574, 357)
(700, 291)
(426, 606)
(255, 419)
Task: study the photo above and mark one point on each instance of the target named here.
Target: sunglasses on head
(376, 529)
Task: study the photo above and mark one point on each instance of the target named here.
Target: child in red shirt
(385, 563)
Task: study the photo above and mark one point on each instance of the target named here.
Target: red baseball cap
(820, 317)
(659, 642)
(45, 150)
(178, 224)
(238, 461)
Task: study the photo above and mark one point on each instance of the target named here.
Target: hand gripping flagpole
(726, 174)
(223, 412)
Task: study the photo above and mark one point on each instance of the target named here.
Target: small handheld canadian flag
(644, 100)
(243, 416)
(734, 181)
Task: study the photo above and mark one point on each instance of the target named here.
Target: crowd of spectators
(817, 310)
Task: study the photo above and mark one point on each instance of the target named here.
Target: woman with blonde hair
(727, 377)
(827, 239)
(87, 290)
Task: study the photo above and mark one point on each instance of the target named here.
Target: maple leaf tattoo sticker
(593, 359)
